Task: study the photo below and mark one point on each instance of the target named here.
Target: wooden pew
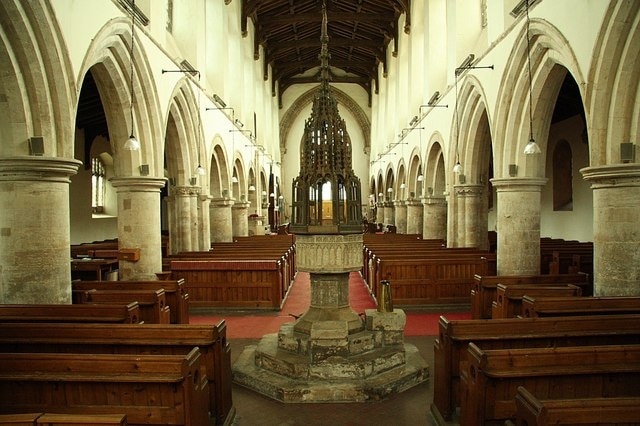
(508, 303)
(531, 411)
(411, 252)
(148, 389)
(450, 347)
(565, 256)
(20, 419)
(51, 419)
(153, 305)
(134, 339)
(128, 313)
(231, 283)
(434, 278)
(250, 272)
(176, 295)
(484, 288)
(492, 377)
(589, 305)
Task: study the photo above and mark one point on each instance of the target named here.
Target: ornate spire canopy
(326, 194)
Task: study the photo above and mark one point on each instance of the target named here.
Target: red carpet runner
(257, 324)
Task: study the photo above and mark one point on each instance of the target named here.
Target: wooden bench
(148, 389)
(50, 419)
(373, 274)
(128, 313)
(153, 305)
(176, 295)
(531, 411)
(556, 306)
(484, 288)
(231, 283)
(492, 377)
(433, 279)
(508, 303)
(450, 347)
(134, 339)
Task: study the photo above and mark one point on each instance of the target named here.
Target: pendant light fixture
(532, 147)
(200, 171)
(131, 144)
(458, 167)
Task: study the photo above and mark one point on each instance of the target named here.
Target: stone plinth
(331, 354)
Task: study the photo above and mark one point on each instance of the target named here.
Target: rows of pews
(537, 352)
(423, 272)
(123, 350)
(250, 273)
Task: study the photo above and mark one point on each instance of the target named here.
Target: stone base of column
(330, 354)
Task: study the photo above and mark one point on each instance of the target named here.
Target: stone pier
(138, 225)
(331, 354)
(616, 228)
(35, 229)
(518, 225)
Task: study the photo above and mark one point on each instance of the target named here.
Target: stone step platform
(360, 365)
(287, 389)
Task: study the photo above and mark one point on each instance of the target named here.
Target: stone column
(459, 215)
(415, 213)
(35, 230)
(380, 212)
(389, 213)
(435, 218)
(400, 216)
(172, 223)
(240, 219)
(616, 228)
(220, 219)
(204, 200)
(255, 225)
(518, 225)
(139, 225)
(181, 236)
(194, 221)
(474, 220)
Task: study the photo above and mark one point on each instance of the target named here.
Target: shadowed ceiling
(359, 34)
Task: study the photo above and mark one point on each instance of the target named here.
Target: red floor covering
(257, 324)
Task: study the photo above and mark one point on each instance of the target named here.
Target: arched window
(562, 177)
(97, 185)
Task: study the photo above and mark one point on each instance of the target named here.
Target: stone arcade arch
(518, 192)
(468, 197)
(434, 201)
(187, 209)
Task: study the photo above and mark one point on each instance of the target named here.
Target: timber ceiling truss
(359, 34)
